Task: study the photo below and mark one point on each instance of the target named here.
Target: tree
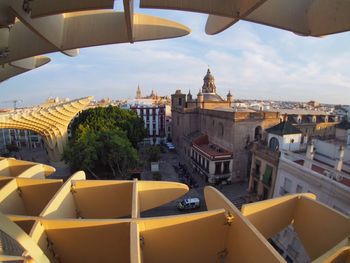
(108, 118)
(103, 141)
(82, 153)
(118, 152)
(153, 153)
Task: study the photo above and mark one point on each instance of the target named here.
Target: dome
(209, 83)
(209, 76)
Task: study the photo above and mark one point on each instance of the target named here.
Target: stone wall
(231, 130)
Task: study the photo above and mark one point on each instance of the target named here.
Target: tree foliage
(108, 118)
(153, 152)
(103, 139)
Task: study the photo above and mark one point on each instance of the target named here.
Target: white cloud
(252, 61)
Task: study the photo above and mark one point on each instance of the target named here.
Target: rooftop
(283, 128)
(299, 112)
(211, 150)
(328, 172)
(325, 172)
(212, 97)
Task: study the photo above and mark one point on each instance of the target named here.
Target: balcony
(266, 153)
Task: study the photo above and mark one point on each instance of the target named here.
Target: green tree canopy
(153, 152)
(107, 118)
(103, 139)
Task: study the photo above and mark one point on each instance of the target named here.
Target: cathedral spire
(138, 92)
(189, 95)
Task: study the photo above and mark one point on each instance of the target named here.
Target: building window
(299, 189)
(226, 167)
(258, 133)
(178, 120)
(218, 168)
(267, 177)
(257, 168)
(274, 144)
(265, 193)
(221, 130)
(289, 259)
(287, 186)
(255, 186)
(180, 101)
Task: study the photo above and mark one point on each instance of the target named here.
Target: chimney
(310, 153)
(339, 160)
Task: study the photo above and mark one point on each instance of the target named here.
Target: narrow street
(235, 192)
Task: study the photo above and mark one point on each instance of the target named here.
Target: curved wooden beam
(228, 8)
(40, 119)
(84, 29)
(40, 8)
(303, 17)
(21, 66)
(23, 239)
(216, 24)
(309, 18)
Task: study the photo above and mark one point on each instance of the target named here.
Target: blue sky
(250, 60)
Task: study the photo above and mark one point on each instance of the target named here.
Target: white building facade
(300, 174)
(20, 138)
(297, 174)
(154, 120)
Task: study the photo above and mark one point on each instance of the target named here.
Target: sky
(250, 60)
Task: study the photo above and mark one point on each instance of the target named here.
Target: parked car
(189, 203)
(170, 146)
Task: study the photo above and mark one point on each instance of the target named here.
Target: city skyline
(250, 60)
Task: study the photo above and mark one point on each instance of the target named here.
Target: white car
(189, 203)
(170, 146)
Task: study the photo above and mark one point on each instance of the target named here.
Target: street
(235, 192)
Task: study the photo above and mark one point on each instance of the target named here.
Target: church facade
(214, 137)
